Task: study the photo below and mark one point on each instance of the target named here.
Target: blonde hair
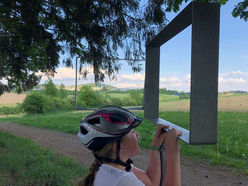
(105, 152)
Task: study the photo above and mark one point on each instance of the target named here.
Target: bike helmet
(106, 124)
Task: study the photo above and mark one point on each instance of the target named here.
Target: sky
(175, 56)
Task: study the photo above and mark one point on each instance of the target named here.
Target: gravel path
(193, 173)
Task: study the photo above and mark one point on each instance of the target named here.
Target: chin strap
(118, 161)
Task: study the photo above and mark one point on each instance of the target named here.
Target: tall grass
(232, 146)
(24, 163)
(231, 149)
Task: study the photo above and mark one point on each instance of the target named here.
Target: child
(109, 133)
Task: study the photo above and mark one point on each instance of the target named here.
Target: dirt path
(193, 173)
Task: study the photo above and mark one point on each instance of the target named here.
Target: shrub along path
(193, 173)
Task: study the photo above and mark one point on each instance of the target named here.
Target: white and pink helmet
(106, 124)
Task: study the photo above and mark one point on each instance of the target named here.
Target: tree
(88, 96)
(241, 10)
(34, 33)
(62, 92)
(50, 88)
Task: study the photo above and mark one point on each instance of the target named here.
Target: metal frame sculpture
(204, 18)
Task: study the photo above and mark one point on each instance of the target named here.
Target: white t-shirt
(108, 175)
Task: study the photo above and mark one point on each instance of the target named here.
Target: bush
(116, 101)
(34, 103)
(49, 104)
(63, 104)
(11, 110)
(184, 95)
(62, 92)
(38, 103)
(89, 98)
(127, 101)
(136, 98)
(50, 88)
(69, 102)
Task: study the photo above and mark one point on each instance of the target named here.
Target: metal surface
(151, 91)
(185, 133)
(76, 85)
(204, 18)
(204, 73)
(178, 24)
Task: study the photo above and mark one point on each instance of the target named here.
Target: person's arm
(173, 175)
(152, 175)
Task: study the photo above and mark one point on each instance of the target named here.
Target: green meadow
(230, 151)
(24, 163)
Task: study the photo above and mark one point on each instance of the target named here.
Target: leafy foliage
(34, 33)
(34, 103)
(89, 98)
(39, 103)
(241, 10)
(50, 88)
(11, 110)
(136, 98)
(62, 92)
(184, 95)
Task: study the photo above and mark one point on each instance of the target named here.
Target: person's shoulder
(128, 179)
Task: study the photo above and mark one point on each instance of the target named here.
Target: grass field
(24, 163)
(231, 149)
(237, 102)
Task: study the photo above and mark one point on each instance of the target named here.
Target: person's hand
(170, 140)
(159, 135)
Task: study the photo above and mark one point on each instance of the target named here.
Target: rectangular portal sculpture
(204, 18)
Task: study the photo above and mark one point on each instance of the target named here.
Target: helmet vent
(118, 118)
(83, 130)
(94, 121)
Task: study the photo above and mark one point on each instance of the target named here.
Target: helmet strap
(118, 161)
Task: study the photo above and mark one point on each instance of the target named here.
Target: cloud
(234, 73)
(64, 73)
(232, 84)
(175, 83)
(132, 77)
(169, 80)
(245, 56)
(234, 80)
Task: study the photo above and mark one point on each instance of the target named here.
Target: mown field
(11, 99)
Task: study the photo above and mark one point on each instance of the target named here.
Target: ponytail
(88, 180)
(106, 151)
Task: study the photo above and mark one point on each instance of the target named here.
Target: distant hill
(94, 86)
